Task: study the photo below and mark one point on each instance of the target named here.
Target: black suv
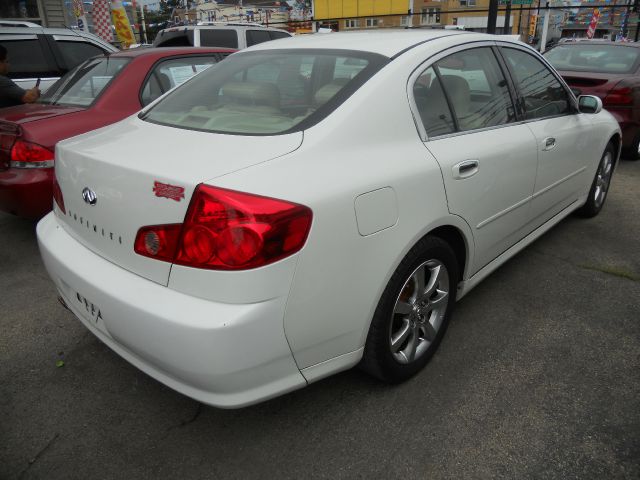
(47, 53)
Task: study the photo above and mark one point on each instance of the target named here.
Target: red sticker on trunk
(168, 191)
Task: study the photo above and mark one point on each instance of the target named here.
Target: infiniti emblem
(89, 196)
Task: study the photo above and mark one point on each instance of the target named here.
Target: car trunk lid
(22, 114)
(144, 174)
(598, 84)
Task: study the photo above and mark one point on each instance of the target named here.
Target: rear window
(82, 85)
(595, 58)
(174, 38)
(266, 92)
(218, 38)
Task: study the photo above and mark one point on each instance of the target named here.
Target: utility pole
(493, 16)
(545, 28)
(635, 10)
(507, 19)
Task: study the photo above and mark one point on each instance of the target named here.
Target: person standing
(10, 93)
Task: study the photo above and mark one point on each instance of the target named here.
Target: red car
(100, 91)
(610, 71)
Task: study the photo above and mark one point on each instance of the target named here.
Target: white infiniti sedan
(316, 203)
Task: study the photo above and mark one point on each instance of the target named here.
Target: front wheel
(413, 312)
(600, 186)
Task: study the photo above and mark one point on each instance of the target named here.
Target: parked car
(610, 71)
(216, 35)
(47, 53)
(316, 203)
(100, 91)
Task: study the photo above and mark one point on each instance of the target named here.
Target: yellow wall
(324, 9)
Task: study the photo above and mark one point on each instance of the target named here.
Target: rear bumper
(225, 355)
(26, 192)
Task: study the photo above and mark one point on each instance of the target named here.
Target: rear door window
(29, 57)
(276, 35)
(224, 38)
(476, 89)
(257, 36)
(174, 38)
(173, 72)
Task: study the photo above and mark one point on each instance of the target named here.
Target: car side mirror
(589, 104)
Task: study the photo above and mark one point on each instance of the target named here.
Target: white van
(236, 36)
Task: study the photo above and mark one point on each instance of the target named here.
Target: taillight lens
(9, 132)
(57, 195)
(620, 95)
(228, 230)
(30, 155)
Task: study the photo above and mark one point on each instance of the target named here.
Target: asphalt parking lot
(538, 377)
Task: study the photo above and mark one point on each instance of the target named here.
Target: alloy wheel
(603, 178)
(419, 311)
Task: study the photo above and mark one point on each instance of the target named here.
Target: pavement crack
(615, 271)
(619, 272)
(38, 455)
(189, 421)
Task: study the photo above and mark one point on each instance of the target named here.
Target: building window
(351, 23)
(430, 16)
(372, 22)
(404, 20)
(467, 3)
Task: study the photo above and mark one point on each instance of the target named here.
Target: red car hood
(31, 112)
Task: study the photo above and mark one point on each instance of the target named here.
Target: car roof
(387, 42)
(598, 42)
(169, 51)
(226, 26)
(38, 30)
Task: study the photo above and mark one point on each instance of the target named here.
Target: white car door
(488, 161)
(563, 142)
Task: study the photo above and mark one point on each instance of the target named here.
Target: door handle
(465, 169)
(549, 143)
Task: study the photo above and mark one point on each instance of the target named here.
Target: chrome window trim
(70, 38)
(30, 79)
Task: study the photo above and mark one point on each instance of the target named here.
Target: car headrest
(327, 92)
(252, 93)
(459, 91)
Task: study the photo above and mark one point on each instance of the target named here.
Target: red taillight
(620, 95)
(9, 132)
(30, 155)
(228, 230)
(57, 195)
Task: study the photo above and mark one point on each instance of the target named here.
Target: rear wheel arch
(458, 243)
(616, 141)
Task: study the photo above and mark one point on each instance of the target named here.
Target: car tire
(600, 185)
(413, 312)
(633, 152)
